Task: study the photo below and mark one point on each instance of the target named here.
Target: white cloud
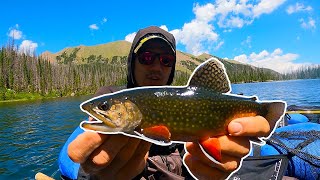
(15, 33)
(199, 35)
(298, 7)
(104, 20)
(235, 13)
(262, 55)
(164, 27)
(227, 30)
(276, 52)
(196, 36)
(205, 13)
(242, 58)
(219, 45)
(130, 37)
(93, 27)
(247, 42)
(310, 24)
(28, 47)
(235, 22)
(275, 60)
(266, 7)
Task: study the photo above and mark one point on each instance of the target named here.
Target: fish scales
(195, 113)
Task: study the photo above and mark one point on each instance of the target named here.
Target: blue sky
(278, 34)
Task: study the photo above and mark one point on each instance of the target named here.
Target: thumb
(249, 126)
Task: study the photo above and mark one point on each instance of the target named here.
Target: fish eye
(103, 106)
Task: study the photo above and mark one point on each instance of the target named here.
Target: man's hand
(109, 156)
(234, 147)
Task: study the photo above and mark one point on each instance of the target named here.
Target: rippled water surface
(294, 92)
(32, 133)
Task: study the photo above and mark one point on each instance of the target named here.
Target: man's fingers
(256, 126)
(104, 154)
(81, 148)
(201, 170)
(234, 146)
(137, 162)
(125, 154)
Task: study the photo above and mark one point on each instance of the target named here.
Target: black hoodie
(151, 30)
(164, 161)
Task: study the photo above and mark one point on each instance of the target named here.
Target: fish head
(119, 113)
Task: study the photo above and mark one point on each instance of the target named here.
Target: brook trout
(166, 114)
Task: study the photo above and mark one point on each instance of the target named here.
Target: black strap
(256, 150)
(296, 151)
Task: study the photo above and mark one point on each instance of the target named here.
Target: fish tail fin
(275, 112)
(212, 149)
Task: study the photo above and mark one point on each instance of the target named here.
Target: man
(151, 62)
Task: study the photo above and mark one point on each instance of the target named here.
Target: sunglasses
(147, 58)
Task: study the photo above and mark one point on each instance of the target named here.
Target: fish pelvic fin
(211, 75)
(160, 133)
(212, 149)
(275, 112)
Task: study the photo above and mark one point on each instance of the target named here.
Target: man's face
(154, 74)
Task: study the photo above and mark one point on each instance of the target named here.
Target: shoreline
(39, 97)
(25, 99)
(243, 82)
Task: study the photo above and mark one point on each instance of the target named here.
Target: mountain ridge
(117, 51)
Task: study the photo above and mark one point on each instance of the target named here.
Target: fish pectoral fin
(211, 75)
(211, 148)
(159, 133)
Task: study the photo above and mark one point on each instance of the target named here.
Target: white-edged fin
(208, 155)
(257, 141)
(276, 111)
(161, 143)
(211, 75)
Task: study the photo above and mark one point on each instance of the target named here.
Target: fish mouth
(103, 117)
(99, 114)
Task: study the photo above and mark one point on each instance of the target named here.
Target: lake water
(32, 133)
(294, 92)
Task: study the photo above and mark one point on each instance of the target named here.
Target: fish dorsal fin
(211, 75)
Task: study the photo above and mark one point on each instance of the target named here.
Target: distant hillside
(117, 52)
(240, 73)
(114, 52)
(87, 54)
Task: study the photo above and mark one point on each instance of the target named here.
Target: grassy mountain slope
(118, 51)
(106, 51)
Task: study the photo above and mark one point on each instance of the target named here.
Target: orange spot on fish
(157, 132)
(212, 147)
